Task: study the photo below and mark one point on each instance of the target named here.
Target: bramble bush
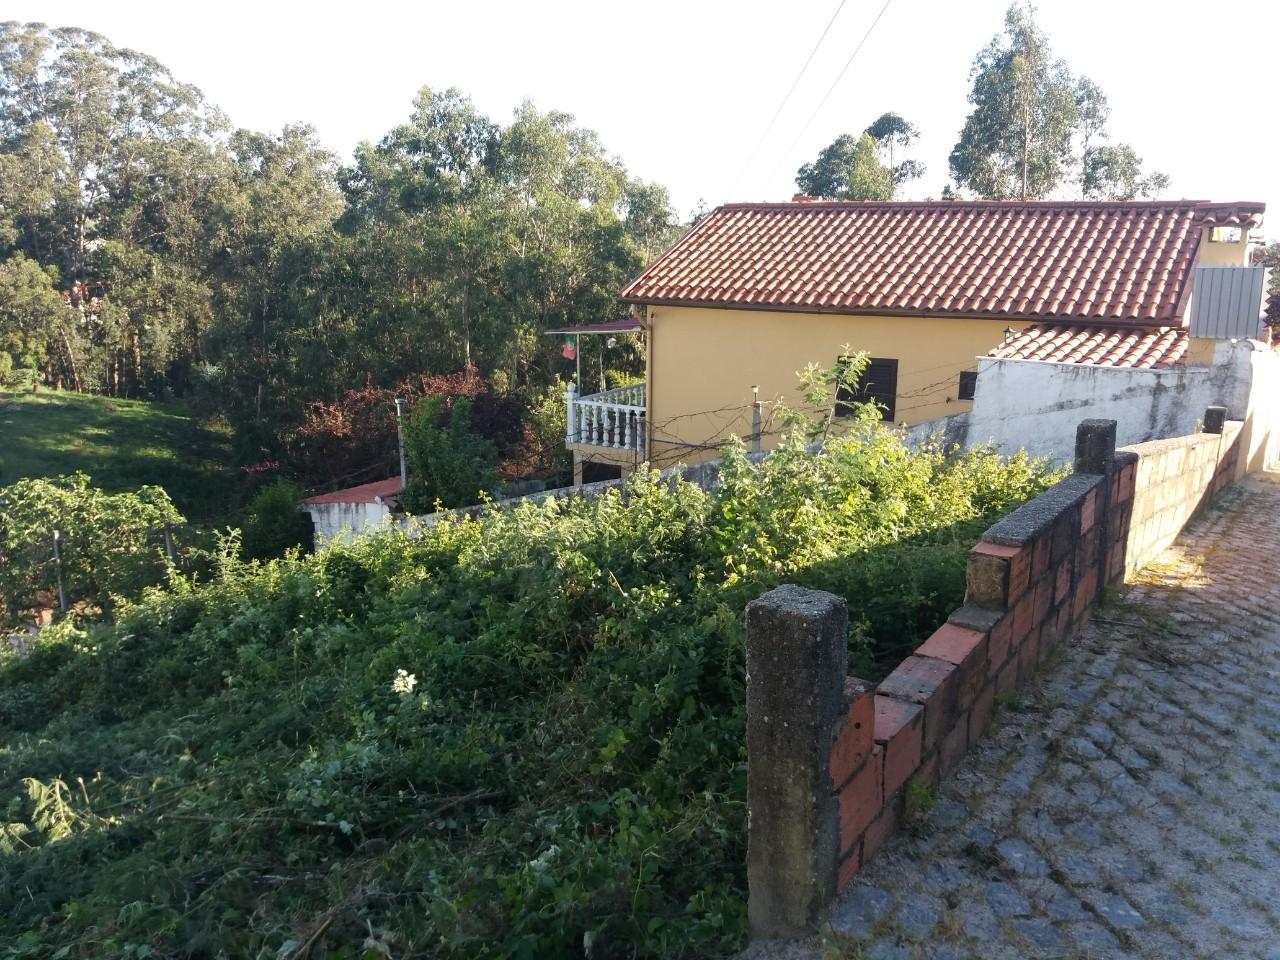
(274, 523)
(449, 465)
(518, 736)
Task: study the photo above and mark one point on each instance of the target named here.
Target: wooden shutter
(879, 383)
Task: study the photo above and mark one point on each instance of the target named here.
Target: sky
(683, 92)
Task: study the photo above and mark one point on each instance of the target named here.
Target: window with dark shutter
(878, 384)
(968, 384)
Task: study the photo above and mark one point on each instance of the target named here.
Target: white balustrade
(613, 419)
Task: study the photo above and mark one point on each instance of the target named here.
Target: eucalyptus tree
(1035, 130)
(1016, 142)
(105, 159)
(866, 166)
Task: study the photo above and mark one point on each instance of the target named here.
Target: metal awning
(608, 326)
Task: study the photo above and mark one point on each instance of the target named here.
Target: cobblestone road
(1129, 804)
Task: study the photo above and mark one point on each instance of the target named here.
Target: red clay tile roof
(1104, 262)
(1146, 348)
(365, 493)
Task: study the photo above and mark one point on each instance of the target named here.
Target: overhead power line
(830, 90)
(792, 89)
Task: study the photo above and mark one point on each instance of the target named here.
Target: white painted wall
(345, 521)
(1262, 416)
(1036, 406)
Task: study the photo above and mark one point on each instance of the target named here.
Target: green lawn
(121, 444)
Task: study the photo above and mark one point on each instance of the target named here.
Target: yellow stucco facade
(1217, 252)
(703, 364)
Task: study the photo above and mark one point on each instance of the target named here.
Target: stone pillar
(1095, 446)
(1214, 419)
(797, 660)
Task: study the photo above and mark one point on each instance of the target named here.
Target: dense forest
(150, 249)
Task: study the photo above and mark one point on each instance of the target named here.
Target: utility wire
(830, 90)
(792, 89)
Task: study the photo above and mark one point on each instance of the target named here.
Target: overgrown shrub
(353, 440)
(449, 465)
(518, 736)
(111, 545)
(275, 523)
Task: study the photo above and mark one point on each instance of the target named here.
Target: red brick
(860, 800)
(954, 745)
(1040, 560)
(1126, 483)
(954, 644)
(1066, 531)
(930, 682)
(980, 715)
(1088, 511)
(1084, 594)
(1044, 599)
(849, 866)
(1023, 619)
(1007, 679)
(1029, 655)
(1063, 582)
(854, 740)
(998, 643)
(900, 734)
(881, 829)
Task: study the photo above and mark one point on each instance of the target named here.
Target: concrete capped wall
(344, 521)
(1035, 406)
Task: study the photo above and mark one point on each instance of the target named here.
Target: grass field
(121, 444)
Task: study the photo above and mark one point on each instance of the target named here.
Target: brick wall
(1030, 583)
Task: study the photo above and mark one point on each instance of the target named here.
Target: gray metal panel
(1226, 303)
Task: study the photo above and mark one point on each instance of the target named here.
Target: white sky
(682, 91)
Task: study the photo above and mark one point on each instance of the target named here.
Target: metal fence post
(755, 419)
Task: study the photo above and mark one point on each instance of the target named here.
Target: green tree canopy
(1035, 128)
(1017, 140)
(864, 167)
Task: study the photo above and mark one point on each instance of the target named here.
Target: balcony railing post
(613, 419)
(571, 413)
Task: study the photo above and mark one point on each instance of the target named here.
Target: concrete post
(404, 471)
(1214, 419)
(1096, 454)
(797, 660)
(1095, 446)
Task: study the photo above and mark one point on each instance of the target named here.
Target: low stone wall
(832, 761)
(1171, 480)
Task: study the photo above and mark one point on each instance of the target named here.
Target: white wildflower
(404, 682)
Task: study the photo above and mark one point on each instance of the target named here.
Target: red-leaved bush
(353, 439)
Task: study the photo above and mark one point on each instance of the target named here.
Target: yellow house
(755, 292)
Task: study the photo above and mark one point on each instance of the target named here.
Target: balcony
(613, 420)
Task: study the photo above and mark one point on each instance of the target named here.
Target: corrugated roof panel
(1227, 302)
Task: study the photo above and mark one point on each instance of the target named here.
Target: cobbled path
(1126, 806)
